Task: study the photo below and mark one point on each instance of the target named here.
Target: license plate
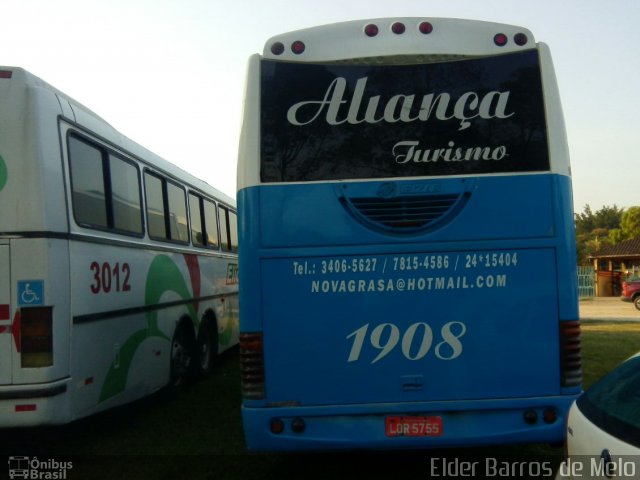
(413, 426)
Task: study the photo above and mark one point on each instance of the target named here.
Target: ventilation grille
(571, 353)
(405, 213)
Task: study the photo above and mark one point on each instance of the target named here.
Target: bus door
(6, 338)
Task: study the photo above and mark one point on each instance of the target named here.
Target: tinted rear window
(332, 122)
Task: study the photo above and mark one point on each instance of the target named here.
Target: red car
(631, 291)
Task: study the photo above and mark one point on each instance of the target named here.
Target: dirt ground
(608, 308)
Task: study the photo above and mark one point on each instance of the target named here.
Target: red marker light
(277, 48)
(398, 28)
(277, 426)
(27, 407)
(500, 39)
(371, 30)
(425, 27)
(520, 39)
(297, 47)
(6, 73)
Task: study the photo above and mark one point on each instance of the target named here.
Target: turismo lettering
(398, 108)
(407, 151)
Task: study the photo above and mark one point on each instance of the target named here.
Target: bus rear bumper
(31, 405)
(353, 427)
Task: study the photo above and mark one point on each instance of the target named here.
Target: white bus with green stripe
(118, 270)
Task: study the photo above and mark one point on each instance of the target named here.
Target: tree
(629, 226)
(593, 230)
(630, 223)
(606, 218)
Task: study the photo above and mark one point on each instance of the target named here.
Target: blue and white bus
(407, 247)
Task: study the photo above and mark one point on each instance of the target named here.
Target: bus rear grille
(405, 213)
(252, 366)
(570, 353)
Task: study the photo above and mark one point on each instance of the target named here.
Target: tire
(181, 358)
(636, 302)
(207, 346)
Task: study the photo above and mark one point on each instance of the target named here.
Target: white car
(603, 428)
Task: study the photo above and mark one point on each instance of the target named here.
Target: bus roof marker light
(297, 47)
(425, 27)
(398, 28)
(277, 48)
(500, 39)
(521, 39)
(371, 30)
(6, 73)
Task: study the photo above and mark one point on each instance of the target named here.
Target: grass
(606, 344)
(197, 433)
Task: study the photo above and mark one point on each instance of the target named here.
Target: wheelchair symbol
(28, 295)
(31, 292)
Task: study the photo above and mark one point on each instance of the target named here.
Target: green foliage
(630, 223)
(593, 229)
(608, 226)
(607, 218)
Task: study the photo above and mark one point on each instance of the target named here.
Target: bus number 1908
(415, 343)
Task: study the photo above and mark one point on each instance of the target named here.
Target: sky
(170, 74)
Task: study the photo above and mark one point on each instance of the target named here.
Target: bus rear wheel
(207, 346)
(181, 357)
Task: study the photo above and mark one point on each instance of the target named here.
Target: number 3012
(107, 277)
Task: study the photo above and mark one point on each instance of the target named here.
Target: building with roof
(615, 263)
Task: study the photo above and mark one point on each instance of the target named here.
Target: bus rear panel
(407, 257)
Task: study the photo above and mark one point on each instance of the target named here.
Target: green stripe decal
(163, 276)
(3, 173)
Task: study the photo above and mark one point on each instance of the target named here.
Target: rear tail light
(252, 366)
(570, 354)
(549, 415)
(277, 426)
(26, 407)
(6, 73)
(36, 337)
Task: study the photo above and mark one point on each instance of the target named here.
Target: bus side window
(87, 181)
(195, 214)
(224, 229)
(125, 195)
(178, 226)
(155, 207)
(233, 231)
(211, 224)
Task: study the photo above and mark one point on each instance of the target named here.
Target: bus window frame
(105, 156)
(201, 199)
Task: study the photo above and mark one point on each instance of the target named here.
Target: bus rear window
(464, 117)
